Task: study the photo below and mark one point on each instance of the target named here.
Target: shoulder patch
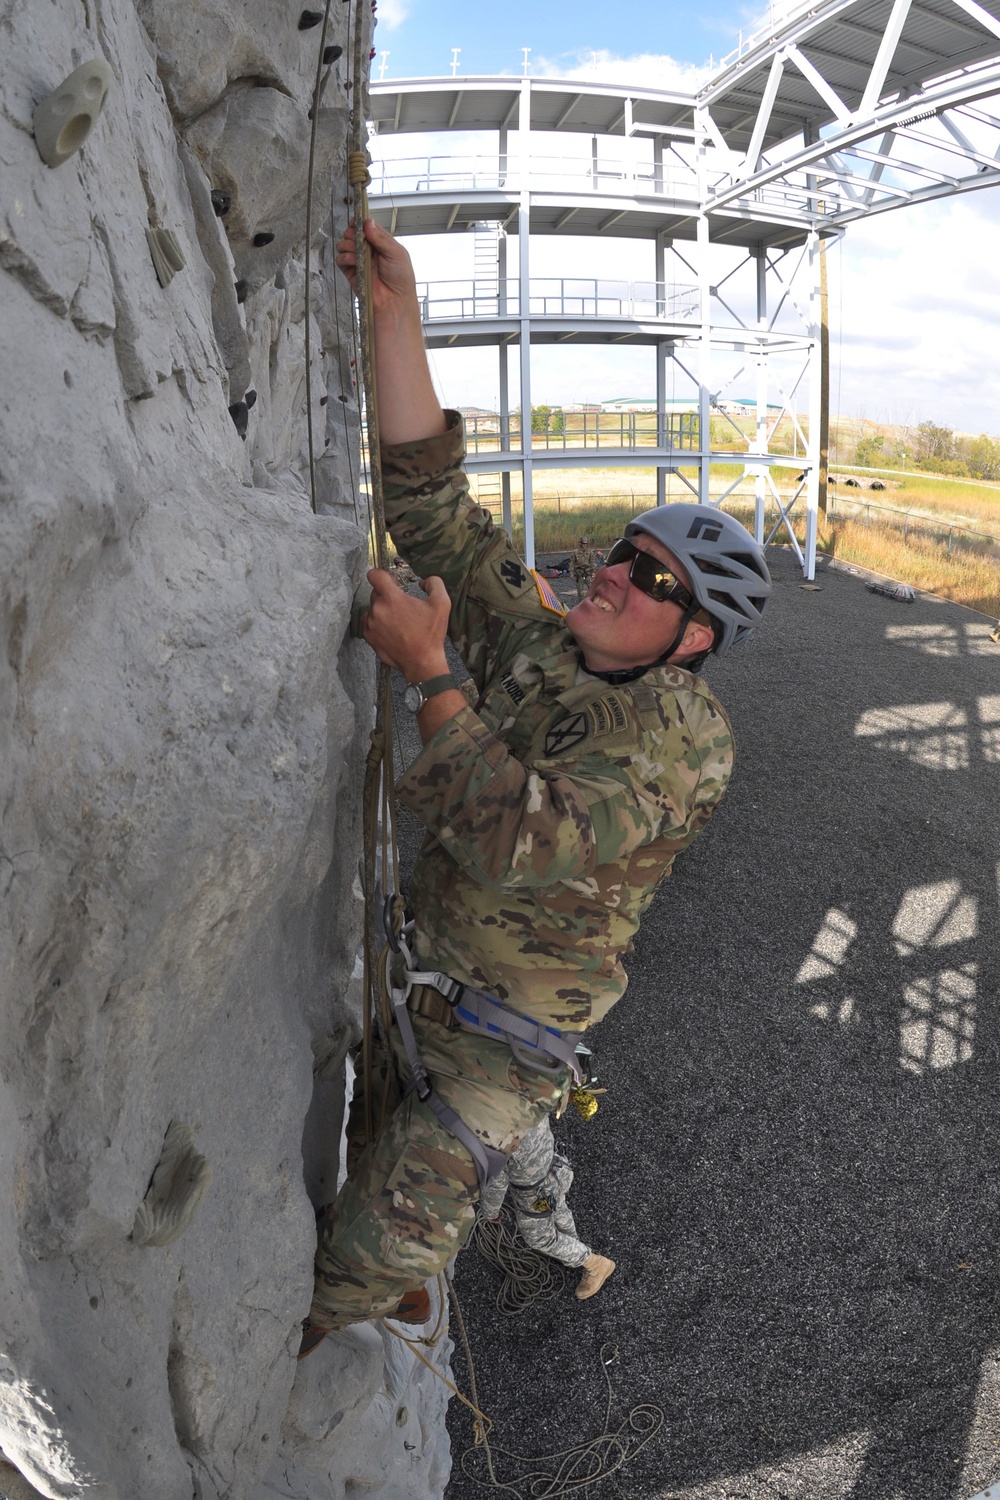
(546, 593)
(567, 733)
(607, 715)
(512, 574)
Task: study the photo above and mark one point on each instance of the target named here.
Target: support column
(502, 354)
(704, 364)
(824, 380)
(524, 310)
(760, 433)
(664, 348)
(815, 406)
(705, 312)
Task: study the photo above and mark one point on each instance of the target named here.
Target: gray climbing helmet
(726, 567)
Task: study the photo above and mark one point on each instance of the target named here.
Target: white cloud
(393, 13)
(915, 295)
(645, 69)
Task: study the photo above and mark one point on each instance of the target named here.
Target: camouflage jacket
(555, 806)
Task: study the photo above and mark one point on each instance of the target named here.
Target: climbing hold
(63, 120)
(264, 238)
(179, 1184)
(168, 258)
(309, 19)
(330, 54)
(222, 202)
(239, 411)
(371, 54)
(250, 397)
(242, 287)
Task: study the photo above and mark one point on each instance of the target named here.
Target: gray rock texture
(182, 727)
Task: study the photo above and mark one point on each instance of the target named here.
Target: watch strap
(436, 685)
(417, 694)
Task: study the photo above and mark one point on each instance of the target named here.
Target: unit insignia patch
(513, 575)
(567, 734)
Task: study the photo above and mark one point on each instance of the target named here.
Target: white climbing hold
(168, 257)
(63, 120)
(179, 1184)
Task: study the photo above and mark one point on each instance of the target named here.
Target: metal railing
(571, 297)
(765, 29)
(672, 431)
(449, 174)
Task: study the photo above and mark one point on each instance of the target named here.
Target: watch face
(413, 698)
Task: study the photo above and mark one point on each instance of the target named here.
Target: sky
(914, 295)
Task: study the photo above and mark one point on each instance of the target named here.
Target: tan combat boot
(596, 1270)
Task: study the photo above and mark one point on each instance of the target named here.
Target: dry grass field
(904, 535)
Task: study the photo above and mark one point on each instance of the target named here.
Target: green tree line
(930, 446)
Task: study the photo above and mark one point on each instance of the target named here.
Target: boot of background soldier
(596, 1270)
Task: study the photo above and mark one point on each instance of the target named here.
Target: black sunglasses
(650, 576)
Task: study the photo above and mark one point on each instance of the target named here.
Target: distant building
(740, 406)
(644, 404)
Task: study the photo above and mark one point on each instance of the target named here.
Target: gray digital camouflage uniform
(553, 809)
(538, 1180)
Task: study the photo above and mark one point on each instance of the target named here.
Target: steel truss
(836, 112)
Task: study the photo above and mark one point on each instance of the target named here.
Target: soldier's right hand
(393, 282)
(407, 632)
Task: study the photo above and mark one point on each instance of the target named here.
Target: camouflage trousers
(408, 1203)
(538, 1179)
(583, 577)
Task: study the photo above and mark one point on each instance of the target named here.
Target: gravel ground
(795, 1166)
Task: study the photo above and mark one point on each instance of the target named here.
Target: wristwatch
(417, 694)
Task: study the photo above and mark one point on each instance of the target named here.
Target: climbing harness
(539, 1048)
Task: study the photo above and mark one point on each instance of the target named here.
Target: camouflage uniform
(539, 1179)
(583, 564)
(553, 809)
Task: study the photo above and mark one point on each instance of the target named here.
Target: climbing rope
(321, 78)
(528, 1277)
(567, 1470)
(551, 1475)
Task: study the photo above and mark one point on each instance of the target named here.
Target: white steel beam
(893, 116)
(988, 22)
(764, 114)
(883, 60)
(814, 76)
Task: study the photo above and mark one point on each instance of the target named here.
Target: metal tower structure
(826, 114)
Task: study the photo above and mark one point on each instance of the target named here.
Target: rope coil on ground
(528, 1277)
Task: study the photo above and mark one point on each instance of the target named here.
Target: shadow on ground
(796, 1165)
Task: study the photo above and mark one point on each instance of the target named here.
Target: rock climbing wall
(182, 725)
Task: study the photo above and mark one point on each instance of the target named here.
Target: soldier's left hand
(406, 632)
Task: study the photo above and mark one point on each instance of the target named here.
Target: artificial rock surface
(182, 728)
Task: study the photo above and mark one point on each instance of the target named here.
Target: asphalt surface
(796, 1163)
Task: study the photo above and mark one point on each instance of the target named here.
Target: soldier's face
(617, 626)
